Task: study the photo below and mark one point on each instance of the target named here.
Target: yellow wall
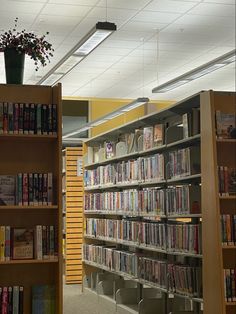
(99, 107)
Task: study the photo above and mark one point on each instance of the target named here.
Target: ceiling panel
(170, 6)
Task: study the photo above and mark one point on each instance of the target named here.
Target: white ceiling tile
(75, 2)
(21, 7)
(214, 9)
(111, 14)
(203, 20)
(65, 10)
(143, 26)
(121, 43)
(170, 6)
(124, 4)
(153, 16)
(221, 1)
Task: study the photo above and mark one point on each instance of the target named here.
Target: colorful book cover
(7, 243)
(23, 240)
(147, 138)
(109, 149)
(225, 122)
(158, 134)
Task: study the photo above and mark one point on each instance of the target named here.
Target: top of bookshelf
(157, 117)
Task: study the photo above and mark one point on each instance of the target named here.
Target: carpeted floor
(77, 303)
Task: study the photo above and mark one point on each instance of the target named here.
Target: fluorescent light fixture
(196, 73)
(134, 104)
(84, 47)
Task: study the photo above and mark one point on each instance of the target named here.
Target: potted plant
(16, 44)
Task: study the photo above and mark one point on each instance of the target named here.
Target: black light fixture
(82, 49)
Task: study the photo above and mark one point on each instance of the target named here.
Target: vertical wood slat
(74, 224)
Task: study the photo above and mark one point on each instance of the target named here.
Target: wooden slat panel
(74, 216)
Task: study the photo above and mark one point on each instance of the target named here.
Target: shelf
(229, 247)
(226, 140)
(230, 303)
(186, 178)
(183, 142)
(229, 197)
(142, 246)
(13, 207)
(184, 216)
(30, 261)
(142, 281)
(25, 137)
(123, 213)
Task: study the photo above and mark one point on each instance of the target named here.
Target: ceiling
(156, 41)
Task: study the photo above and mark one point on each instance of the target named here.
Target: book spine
(16, 299)
(44, 242)
(26, 119)
(21, 119)
(35, 189)
(52, 242)
(40, 188)
(19, 190)
(21, 300)
(10, 301)
(31, 189)
(44, 119)
(49, 189)
(38, 243)
(25, 185)
(4, 300)
(7, 243)
(50, 119)
(16, 118)
(31, 118)
(45, 189)
(1, 118)
(5, 117)
(2, 243)
(39, 119)
(10, 118)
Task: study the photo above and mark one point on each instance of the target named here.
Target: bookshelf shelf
(30, 261)
(29, 207)
(125, 214)
(230, 303)
(185, 142)
(226, 141)
(230, 197)
(184, 216)
(229, 247)
(185, 179)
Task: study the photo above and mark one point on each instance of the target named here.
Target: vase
(14, 66)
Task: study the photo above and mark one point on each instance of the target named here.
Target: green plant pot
(14, 66)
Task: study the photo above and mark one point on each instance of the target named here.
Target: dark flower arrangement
(36, 47)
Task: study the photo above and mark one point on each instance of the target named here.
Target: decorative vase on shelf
(14, 66)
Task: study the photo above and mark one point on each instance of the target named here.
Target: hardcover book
(225, 122)
(158, 134)
(23, 243)
(147, 138)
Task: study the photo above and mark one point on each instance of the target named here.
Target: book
(158, 135)
(22, 242)
(32, 118)
(43, 299)
(121, 149)
(186, 119)
(147, 138)
(225, 123)
(21, 118)
(5, 118)
(16, 292)
(7, 190)
(109, 150)
(2, 243)
(1, 117)
(16, 118)
(10, 118)
(26, 119)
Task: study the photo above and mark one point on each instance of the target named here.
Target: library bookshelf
(33, 153)
(73, 214)
(188, 126)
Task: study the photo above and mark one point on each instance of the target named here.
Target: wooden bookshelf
(214, 258)
(33, 154)
(73, 211)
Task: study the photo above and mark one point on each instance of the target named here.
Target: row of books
(228, 229)
(227, 180)
(28, 243)
(146, 138)
(230, 285)
(176, 200)
(12, 300)
(183, 162)
(43, 299)
(138, 170)
(26, 189)
(184, 279)
(179, 278)
(225, 124)
(19, 118)
(178, 237)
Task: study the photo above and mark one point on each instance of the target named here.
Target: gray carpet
(76, 302)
